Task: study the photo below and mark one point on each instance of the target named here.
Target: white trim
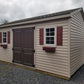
(6, 37)
(69, 41)
(54, 37)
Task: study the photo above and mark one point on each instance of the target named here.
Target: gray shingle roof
(46, 16)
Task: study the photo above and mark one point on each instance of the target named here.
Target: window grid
(50, 35)
(4, 39)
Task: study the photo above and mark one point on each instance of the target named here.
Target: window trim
(6, 37)
(54, 37)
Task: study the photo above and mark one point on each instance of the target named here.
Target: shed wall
(57, 63)
(7, 54)
(76, 42)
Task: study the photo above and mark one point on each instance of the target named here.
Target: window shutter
(8, 37)
(59, 35)
(0, 37)
(41, 36)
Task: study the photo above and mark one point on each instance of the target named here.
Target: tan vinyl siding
(57, 62)
(6, 54)
(76, 41)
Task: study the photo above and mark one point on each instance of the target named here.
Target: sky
(12, 10)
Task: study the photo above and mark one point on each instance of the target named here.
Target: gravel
(11, 74)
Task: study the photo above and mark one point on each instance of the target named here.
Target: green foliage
(3, 21)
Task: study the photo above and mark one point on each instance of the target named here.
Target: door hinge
(33, 27)
(33, 65)
(12, 48)
(33, 51)
(12, 60)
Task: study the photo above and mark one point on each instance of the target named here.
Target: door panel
(28, 46)
(17, 56)
(23, 46)
(17, 45)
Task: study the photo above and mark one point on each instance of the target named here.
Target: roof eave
(36, 21)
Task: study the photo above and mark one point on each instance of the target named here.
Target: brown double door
(23, 46)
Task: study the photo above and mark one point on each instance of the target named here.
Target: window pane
(51, 29)
(52, 38)
(52, 34)
(47, 42)
(47, 38)
(4, 40)
(4, 34)
(52, 42)
(47, 30)
(47, 34)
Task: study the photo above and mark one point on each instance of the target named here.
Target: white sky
(19, 9)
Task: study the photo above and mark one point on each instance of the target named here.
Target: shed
(53, 43)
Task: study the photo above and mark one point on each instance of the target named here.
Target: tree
(3, 21)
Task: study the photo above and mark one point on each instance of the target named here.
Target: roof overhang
(67, 16)
(44, 18)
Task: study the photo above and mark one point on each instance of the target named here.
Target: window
(4, 37)
(50, 35)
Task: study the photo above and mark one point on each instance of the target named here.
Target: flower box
(49, 49)
(4, 45)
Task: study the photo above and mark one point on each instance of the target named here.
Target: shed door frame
(32, 31)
